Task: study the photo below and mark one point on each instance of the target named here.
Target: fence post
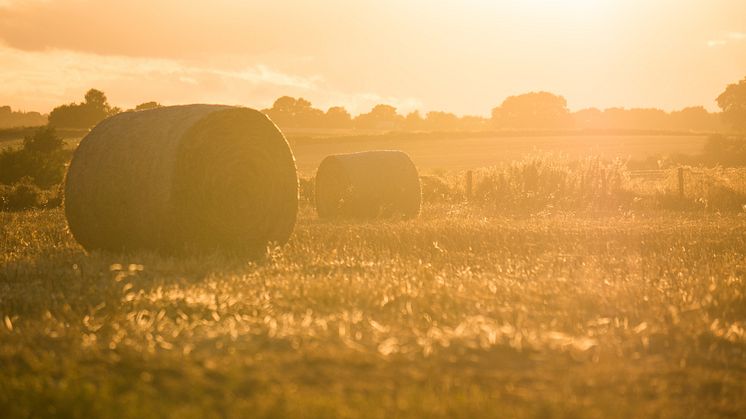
(469, 185)
(681, 182)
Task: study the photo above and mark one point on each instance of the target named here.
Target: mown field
(460, 313)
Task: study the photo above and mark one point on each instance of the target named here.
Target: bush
(718, 150)
(23, 195)
(42, 159)
(55, 196)
(724, 151)
(438, 189)
(724, 198)
(44, 140)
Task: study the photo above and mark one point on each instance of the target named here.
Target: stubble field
(459, 313)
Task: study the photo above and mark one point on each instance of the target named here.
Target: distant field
(465, 153)
(70, 143)
(13, 137)
(460, 151)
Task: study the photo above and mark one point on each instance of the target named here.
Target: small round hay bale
(193, 177)
(368, 185)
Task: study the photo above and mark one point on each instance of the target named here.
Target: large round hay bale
(368, 185)
(194, 177)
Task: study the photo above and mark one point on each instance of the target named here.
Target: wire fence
(688, 181)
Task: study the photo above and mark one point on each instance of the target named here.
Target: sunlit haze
(463, 57)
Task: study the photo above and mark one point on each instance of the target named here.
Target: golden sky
(461, 56)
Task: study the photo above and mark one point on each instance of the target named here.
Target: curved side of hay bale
(200, 177)
(370, 184)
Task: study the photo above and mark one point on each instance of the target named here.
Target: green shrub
(439, 189)
(42, 159)
(724, 151)
(55, 196)
(23, 195)
(723, 198)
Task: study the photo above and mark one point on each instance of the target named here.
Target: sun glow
(411, 54)
(568, 8)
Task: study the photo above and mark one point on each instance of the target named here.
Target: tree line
(529, 111)
(10, 118)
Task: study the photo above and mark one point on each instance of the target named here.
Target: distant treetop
(11, 119)
(733, 103)
(86, 114)
(148, 105)
(542, 110)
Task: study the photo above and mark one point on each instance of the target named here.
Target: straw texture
(370, 184)
(194, 177)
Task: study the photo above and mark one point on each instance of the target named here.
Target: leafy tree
(284, 104)
(281, 111)
(338, 117)
(44, 141)
(444, 121)
(590, 118)
(86, 114)
(306, 116)
(380, 117)
(725, 151)
(291, 112)
(695, 118)
(733, 103)
(10, 118)
(645, 118)
(414, 121)
(147, 105)
(541, 110)
(96, 99)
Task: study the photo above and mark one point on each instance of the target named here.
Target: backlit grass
(460, 313)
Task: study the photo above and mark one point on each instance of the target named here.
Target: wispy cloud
(728, 38)
(263, 74)
(42, 80)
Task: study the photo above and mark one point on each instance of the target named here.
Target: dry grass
(546, 183)
(460, 313)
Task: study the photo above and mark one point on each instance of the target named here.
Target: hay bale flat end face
(200, 177)
(366, 185)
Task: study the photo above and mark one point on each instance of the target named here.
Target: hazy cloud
(179, 29)
(43, 80)
(728, 38)
(464, 56)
